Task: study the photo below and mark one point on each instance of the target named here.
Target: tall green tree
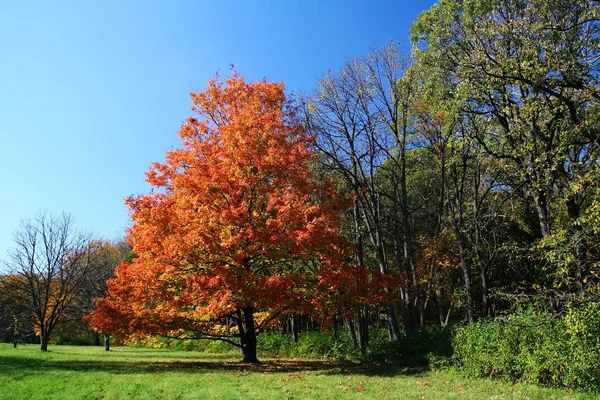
(524, 75)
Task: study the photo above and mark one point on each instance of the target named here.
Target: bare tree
(361, 119)
(46, 267)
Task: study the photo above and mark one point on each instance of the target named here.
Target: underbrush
(74, 340)
(417, 348)
(534, 346)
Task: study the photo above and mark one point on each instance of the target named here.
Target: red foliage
(235, 220)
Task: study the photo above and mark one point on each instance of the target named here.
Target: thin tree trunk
(107, 342)
(407, 238)
(444, 323)
(581, 264)
(405, 292)
(294, 322)
(363, 331)
(392, 323)
(438, 296)
(336, 333)
(405, 308)
(351, 332)
(484, 289)
(466, 270)
(542, 207)
(376, 240)
(425, 304)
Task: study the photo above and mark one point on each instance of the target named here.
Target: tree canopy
(237, 230)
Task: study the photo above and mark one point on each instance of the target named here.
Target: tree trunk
(444, 321)
(393, 327)
(424, 304)
(406, 308)
(581, 263)
(438, 296)
(96, 339)
(542, 207)
(407, 236)
(351, 332)
(466, 270)
(294, 322)
(43, 341)
(405, 292)
(336, 333)
(249, 337)
(363, 331)
(376, 240)
(484, 291)
(106, 342)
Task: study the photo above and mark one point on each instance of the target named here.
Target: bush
(204, 346)
(534, 346)
(72, 340)
(418, 347)
(315, 344)
(275, 344)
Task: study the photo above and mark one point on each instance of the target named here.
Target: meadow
(86, 372)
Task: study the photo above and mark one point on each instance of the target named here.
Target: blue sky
(92, 92)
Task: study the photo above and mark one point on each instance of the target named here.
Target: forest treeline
(473, 161)
(470, 164)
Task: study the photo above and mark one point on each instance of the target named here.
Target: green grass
(72, 372)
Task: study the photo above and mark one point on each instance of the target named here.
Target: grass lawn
(73, 372)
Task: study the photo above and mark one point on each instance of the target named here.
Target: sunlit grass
(72, 372)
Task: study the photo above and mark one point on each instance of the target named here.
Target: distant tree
(12, 328)
(47, 267)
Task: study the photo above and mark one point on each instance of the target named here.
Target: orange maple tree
(237, 231)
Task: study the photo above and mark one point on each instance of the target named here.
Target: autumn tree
(47, 265)
(236, 231)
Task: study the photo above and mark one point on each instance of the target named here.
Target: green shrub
(419, 345)
(275, 344)
(583, 335)
(71, 340)
(380, 348)
(204, 346)
(534, 346)
(416, 348)
(315, 344)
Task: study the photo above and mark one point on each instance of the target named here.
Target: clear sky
(92, 92)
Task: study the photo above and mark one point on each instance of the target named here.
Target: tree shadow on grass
(14, 365)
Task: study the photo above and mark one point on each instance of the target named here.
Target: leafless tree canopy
(46, 267)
